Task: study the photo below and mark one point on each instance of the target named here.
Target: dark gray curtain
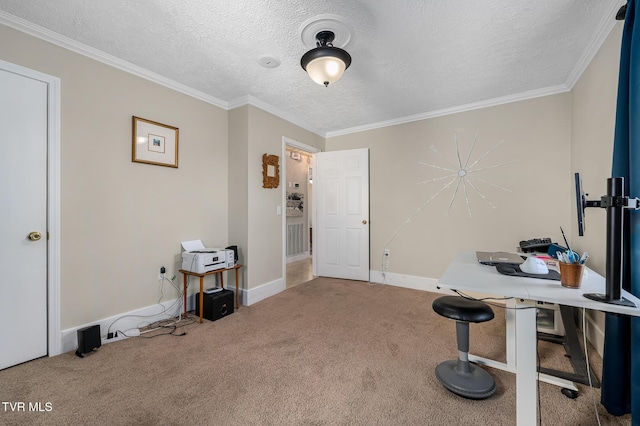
(621, 362)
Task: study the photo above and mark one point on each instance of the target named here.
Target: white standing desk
(466, 274)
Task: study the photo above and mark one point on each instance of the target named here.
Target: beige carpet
(327, 352)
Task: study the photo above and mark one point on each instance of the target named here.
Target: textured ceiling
(411, 58)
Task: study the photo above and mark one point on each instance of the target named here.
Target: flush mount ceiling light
(325, 64)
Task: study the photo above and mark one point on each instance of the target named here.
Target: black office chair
(460, 376)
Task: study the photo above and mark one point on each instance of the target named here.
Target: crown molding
(532, 94)
(42, 33)
(607, 24)
(253, 101)
(238, 102)
(66, 43)
(605, 28)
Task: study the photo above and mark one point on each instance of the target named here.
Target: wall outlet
(386, 265)
(386, 252)
(161, 272)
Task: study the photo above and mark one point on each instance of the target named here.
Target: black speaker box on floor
(88, 339)
(215, 305)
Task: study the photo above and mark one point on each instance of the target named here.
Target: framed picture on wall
(270, 171)
(154, 143)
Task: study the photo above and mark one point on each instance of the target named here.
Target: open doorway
(297, 212)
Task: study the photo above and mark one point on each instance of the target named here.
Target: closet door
(23, 228)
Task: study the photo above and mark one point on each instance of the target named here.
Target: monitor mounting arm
(616, 203)
(619, 201)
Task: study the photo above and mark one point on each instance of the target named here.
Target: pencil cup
(571, 274)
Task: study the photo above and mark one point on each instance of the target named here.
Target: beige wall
(238, 181)
(550, 138)
(537, 137)
(264, 226)
(593, 123)
(121, 221)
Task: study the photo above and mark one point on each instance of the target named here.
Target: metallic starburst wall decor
(462, 176)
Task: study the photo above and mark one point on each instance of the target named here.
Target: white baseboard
(141, 317)
(123, 322)
(302, 256)
(264, 291)
(150, 314)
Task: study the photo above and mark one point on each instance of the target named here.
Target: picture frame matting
(154, 143)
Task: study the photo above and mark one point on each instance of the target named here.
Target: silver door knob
(35, 236)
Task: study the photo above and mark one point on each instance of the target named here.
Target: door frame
(283, 176)
(54, 341)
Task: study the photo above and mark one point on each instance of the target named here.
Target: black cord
(497, 305)
(171, 333)
(482, 299)
(150, 315)
(167, 324)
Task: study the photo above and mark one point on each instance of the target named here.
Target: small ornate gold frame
(270, 171)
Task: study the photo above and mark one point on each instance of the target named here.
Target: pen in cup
(570, 253)
(584, 258)
(572, 257)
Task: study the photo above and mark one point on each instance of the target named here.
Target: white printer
(200, 259)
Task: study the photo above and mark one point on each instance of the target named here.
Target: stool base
(474, 384)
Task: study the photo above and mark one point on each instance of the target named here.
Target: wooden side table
(185, 274)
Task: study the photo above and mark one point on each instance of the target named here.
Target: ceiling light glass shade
(325, 64)
(326, 70)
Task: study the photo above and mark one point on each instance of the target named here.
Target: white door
(341, 226)
(23, 196)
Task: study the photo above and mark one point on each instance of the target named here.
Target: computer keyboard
(535, 244)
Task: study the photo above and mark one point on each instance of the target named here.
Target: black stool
(460, 376)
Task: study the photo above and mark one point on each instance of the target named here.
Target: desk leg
(236, 288)
(221, 279)
(526, 386)
(510, 365)
(510, 321)
(184, 293)
(201, 298)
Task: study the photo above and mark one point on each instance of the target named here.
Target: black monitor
(581, 200)
(581, 204)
